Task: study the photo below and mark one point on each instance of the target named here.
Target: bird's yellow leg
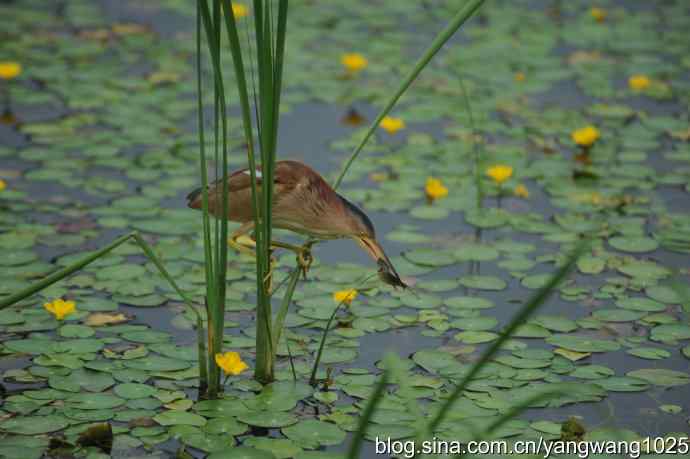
(243, 243)
(240, 241)
(304, 257)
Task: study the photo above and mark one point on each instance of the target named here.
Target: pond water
(101, 140)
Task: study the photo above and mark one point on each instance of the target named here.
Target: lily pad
(311, 433)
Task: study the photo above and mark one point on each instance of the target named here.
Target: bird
(304, 203)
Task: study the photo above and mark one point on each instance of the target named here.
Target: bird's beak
(387, 272)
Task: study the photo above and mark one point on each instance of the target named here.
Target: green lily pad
(641, 304)
(177, 417)
(94, 401)
(661, 376)
(430, 257)
(157, 363)
(311, 433)
(132, 391)
(634, 244)
(670, 332)
(623, 384)
(241, 452)
(651, 353)
(617, 315)
(475, 337)
(268, 419)
(483, 282)
(34, 425)
(580, 343)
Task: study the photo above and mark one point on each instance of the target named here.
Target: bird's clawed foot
(305, 259)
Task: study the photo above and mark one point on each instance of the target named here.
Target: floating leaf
(483, 282)
(661, 376)
(311, 433)
(177, 417)
(580, 343)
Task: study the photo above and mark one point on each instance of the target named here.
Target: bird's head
(362, 231)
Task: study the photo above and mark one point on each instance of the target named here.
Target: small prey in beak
(387, 272)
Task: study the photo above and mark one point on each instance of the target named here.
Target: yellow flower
(354, 62)
(639, 82)
(435, 189)
(599, 14)
(391, 124)
(60, 308)
(345, 296)
(500, 173)
(3, 184)
(10, 70)
(519, 77)
(239, 10)
(521, 191)
(231, 363)
(586, 136)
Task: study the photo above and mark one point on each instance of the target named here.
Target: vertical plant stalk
(475, 146)
(458, 20)
(537, 300)
(206, 224)
(282, 312)
(150, 254)
(319, 352)
(367, 414)
(317, 359)
(216, 250)
(270, 49)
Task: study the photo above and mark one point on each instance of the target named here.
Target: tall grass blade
(317, 359)
(535, 302)
(475, 146)
(511, 414)
(62, 273)
(319, 352)
(216, 283)
(284, 306)
(458, 20)
(150, 254)
(360, 432)
(270, 46)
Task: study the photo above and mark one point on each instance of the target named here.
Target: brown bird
(303, 202)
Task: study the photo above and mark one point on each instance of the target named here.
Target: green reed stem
(458, 20)
(74, 267)
(367, 414)
(284, 306)
(535, 302)
(475, 146)
(317, 359)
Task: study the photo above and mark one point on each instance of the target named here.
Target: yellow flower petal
(3, 184)
(586, 136)
(639, 82)
(500, 173)
(60, 308)
(10, 70)
(391, 124)
(521, 191)
(345, 296)
(354, 62)
(435, 189)
(239, 10)
(599, 14)
(231, 363)
(519, 77)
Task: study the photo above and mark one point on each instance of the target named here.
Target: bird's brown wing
(239, 192)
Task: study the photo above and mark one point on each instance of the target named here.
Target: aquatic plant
(260, 132)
